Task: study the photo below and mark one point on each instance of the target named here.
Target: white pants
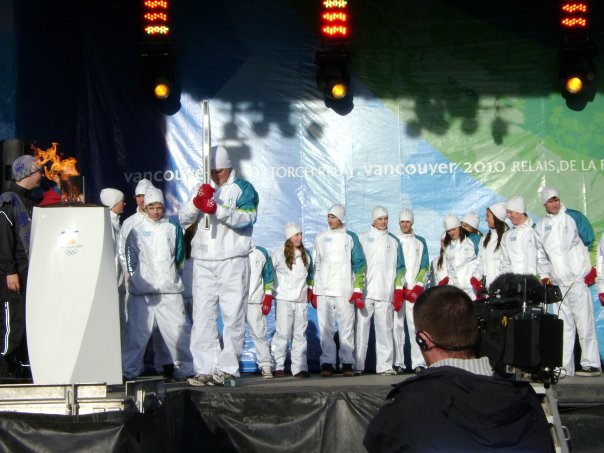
(256, 321)
(168, 312)
(384, 348)
(225, 282)
(291, 322)
(329, 311)
(161, 353)
(406, 312)
(577, 312)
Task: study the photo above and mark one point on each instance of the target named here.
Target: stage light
(333, 79)
(574, 84)
(577, 70)
(162, 89)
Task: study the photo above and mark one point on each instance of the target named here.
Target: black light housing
(333, 79)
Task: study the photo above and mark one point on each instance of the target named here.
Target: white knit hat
(291, 229)
(406, 215)
(142, 186)
(379, 211)
(498, 210)
(110, 197)
(153, 195)
(516, 204)
(547, 193)
(451, 221)
(471, 218)
(338, 210)
(219, 157)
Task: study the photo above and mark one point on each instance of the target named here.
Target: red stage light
(574, 15)
(334, 20)
(155, 18)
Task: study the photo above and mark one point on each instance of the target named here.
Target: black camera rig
(516, 332)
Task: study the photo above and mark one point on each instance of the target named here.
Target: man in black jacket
(16, 207)
(456, 404)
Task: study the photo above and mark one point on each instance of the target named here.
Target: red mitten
(206, 191)
(444, 281)
(399, 299)
(590, 278)
(601, 297)
(309, 295)
(267, 304)
(357, 300)
(205, 205)
(413, 294)
(476, 285)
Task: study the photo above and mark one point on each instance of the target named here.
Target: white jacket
(127, 225)
(291, 284)
(520, 250)
(385, 264)
(339, 263)
(600, 266)
(154, 249)
(115, 234)
(461, 262)
(415, 255)
(489, 259)
(262, 275)
(564, 248)
(231, 227)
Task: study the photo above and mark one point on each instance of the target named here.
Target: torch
(206, 145)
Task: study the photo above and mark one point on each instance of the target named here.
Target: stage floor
(263, 415)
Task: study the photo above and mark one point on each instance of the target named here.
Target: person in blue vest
(338, 288)
(566, 237)
(16, 206)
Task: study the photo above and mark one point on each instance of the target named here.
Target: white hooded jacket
(154, 250)
(415, 254)
(567, 254)
(339, 263)
(231, 227)
(384, 264)
(520, 250)
(461, 262)
(291, 284)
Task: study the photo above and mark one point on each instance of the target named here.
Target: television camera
(516, 332)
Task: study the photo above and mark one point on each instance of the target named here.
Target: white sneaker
(266, 372)
(201, 380)
(221, 378)
(389, 372)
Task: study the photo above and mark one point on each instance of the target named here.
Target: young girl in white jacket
(293, 273)
(460, 256)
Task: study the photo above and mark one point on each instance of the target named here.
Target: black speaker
(11, 149)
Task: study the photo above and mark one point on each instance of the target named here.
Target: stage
(256, 415)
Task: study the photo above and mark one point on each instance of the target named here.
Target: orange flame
(58, 168)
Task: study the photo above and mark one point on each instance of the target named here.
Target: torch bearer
(206, 145)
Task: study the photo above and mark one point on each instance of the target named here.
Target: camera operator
(456, 404)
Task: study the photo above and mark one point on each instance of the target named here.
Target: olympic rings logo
(71, 252)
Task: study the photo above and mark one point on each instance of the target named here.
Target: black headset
(424, 346)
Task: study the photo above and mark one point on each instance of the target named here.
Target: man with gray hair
(16, 208)
(221, 268)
